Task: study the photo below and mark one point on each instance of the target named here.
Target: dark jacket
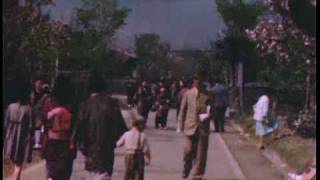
(100, 125)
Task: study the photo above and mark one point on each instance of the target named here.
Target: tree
(283, 34)
(288, 34)
(26, 38)
(90, 40)
(152, 55)
(235, 46)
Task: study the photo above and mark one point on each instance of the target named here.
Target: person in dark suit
(144, 97)
(194, 121)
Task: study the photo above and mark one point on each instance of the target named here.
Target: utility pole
(241, 86)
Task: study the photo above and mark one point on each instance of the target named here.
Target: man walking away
(144, 97)
(100, 126)
(194, 120)
(130, 93)
(220, 106)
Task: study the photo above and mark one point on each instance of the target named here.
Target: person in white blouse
(261, 109)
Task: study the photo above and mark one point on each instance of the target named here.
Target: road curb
(234, 163)
(269, 154)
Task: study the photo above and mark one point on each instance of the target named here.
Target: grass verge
(296, 151)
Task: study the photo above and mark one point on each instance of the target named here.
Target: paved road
(166, 163)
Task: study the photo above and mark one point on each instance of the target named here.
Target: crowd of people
(45, 118)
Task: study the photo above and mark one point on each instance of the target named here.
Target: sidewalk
(252, 161)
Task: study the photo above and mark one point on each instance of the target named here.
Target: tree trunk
(307, 98)
(232, 90)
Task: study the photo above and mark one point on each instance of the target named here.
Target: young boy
(137, 149)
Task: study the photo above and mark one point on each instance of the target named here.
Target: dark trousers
(59, 159)
(144, 112)
(219, 115)
(161, 119)
(59, 169)
(134, 166)
(130, 99)
(195, 153)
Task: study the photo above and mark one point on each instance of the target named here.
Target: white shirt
(204, 116)
(130, 141)
(261, 108)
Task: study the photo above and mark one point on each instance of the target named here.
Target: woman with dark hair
(59, 150)
(100, 125)
(18, 128)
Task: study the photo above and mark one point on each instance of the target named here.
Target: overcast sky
(184, 24)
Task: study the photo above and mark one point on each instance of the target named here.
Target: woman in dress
(18, 129)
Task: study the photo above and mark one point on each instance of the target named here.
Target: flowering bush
(306, 123)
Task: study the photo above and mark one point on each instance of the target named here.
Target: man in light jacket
(194, 121)
(261, 109)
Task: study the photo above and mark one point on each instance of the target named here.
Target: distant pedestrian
(59, 145)
(100, 125)
(162, 108)
(174, 90)
(130, 88)
(18, 130)
(144, 97)
(137, 151)
(220, 102)
(261, 109)
(194, 120)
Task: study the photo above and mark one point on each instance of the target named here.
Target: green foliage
(303, 13)
(146, 46)
(239, 15)
(96, 22)
(307, 126)
(287, 79)
(236, 46)
(30, 38)
(153, 56)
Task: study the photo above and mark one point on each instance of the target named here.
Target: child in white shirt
(137, 151)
